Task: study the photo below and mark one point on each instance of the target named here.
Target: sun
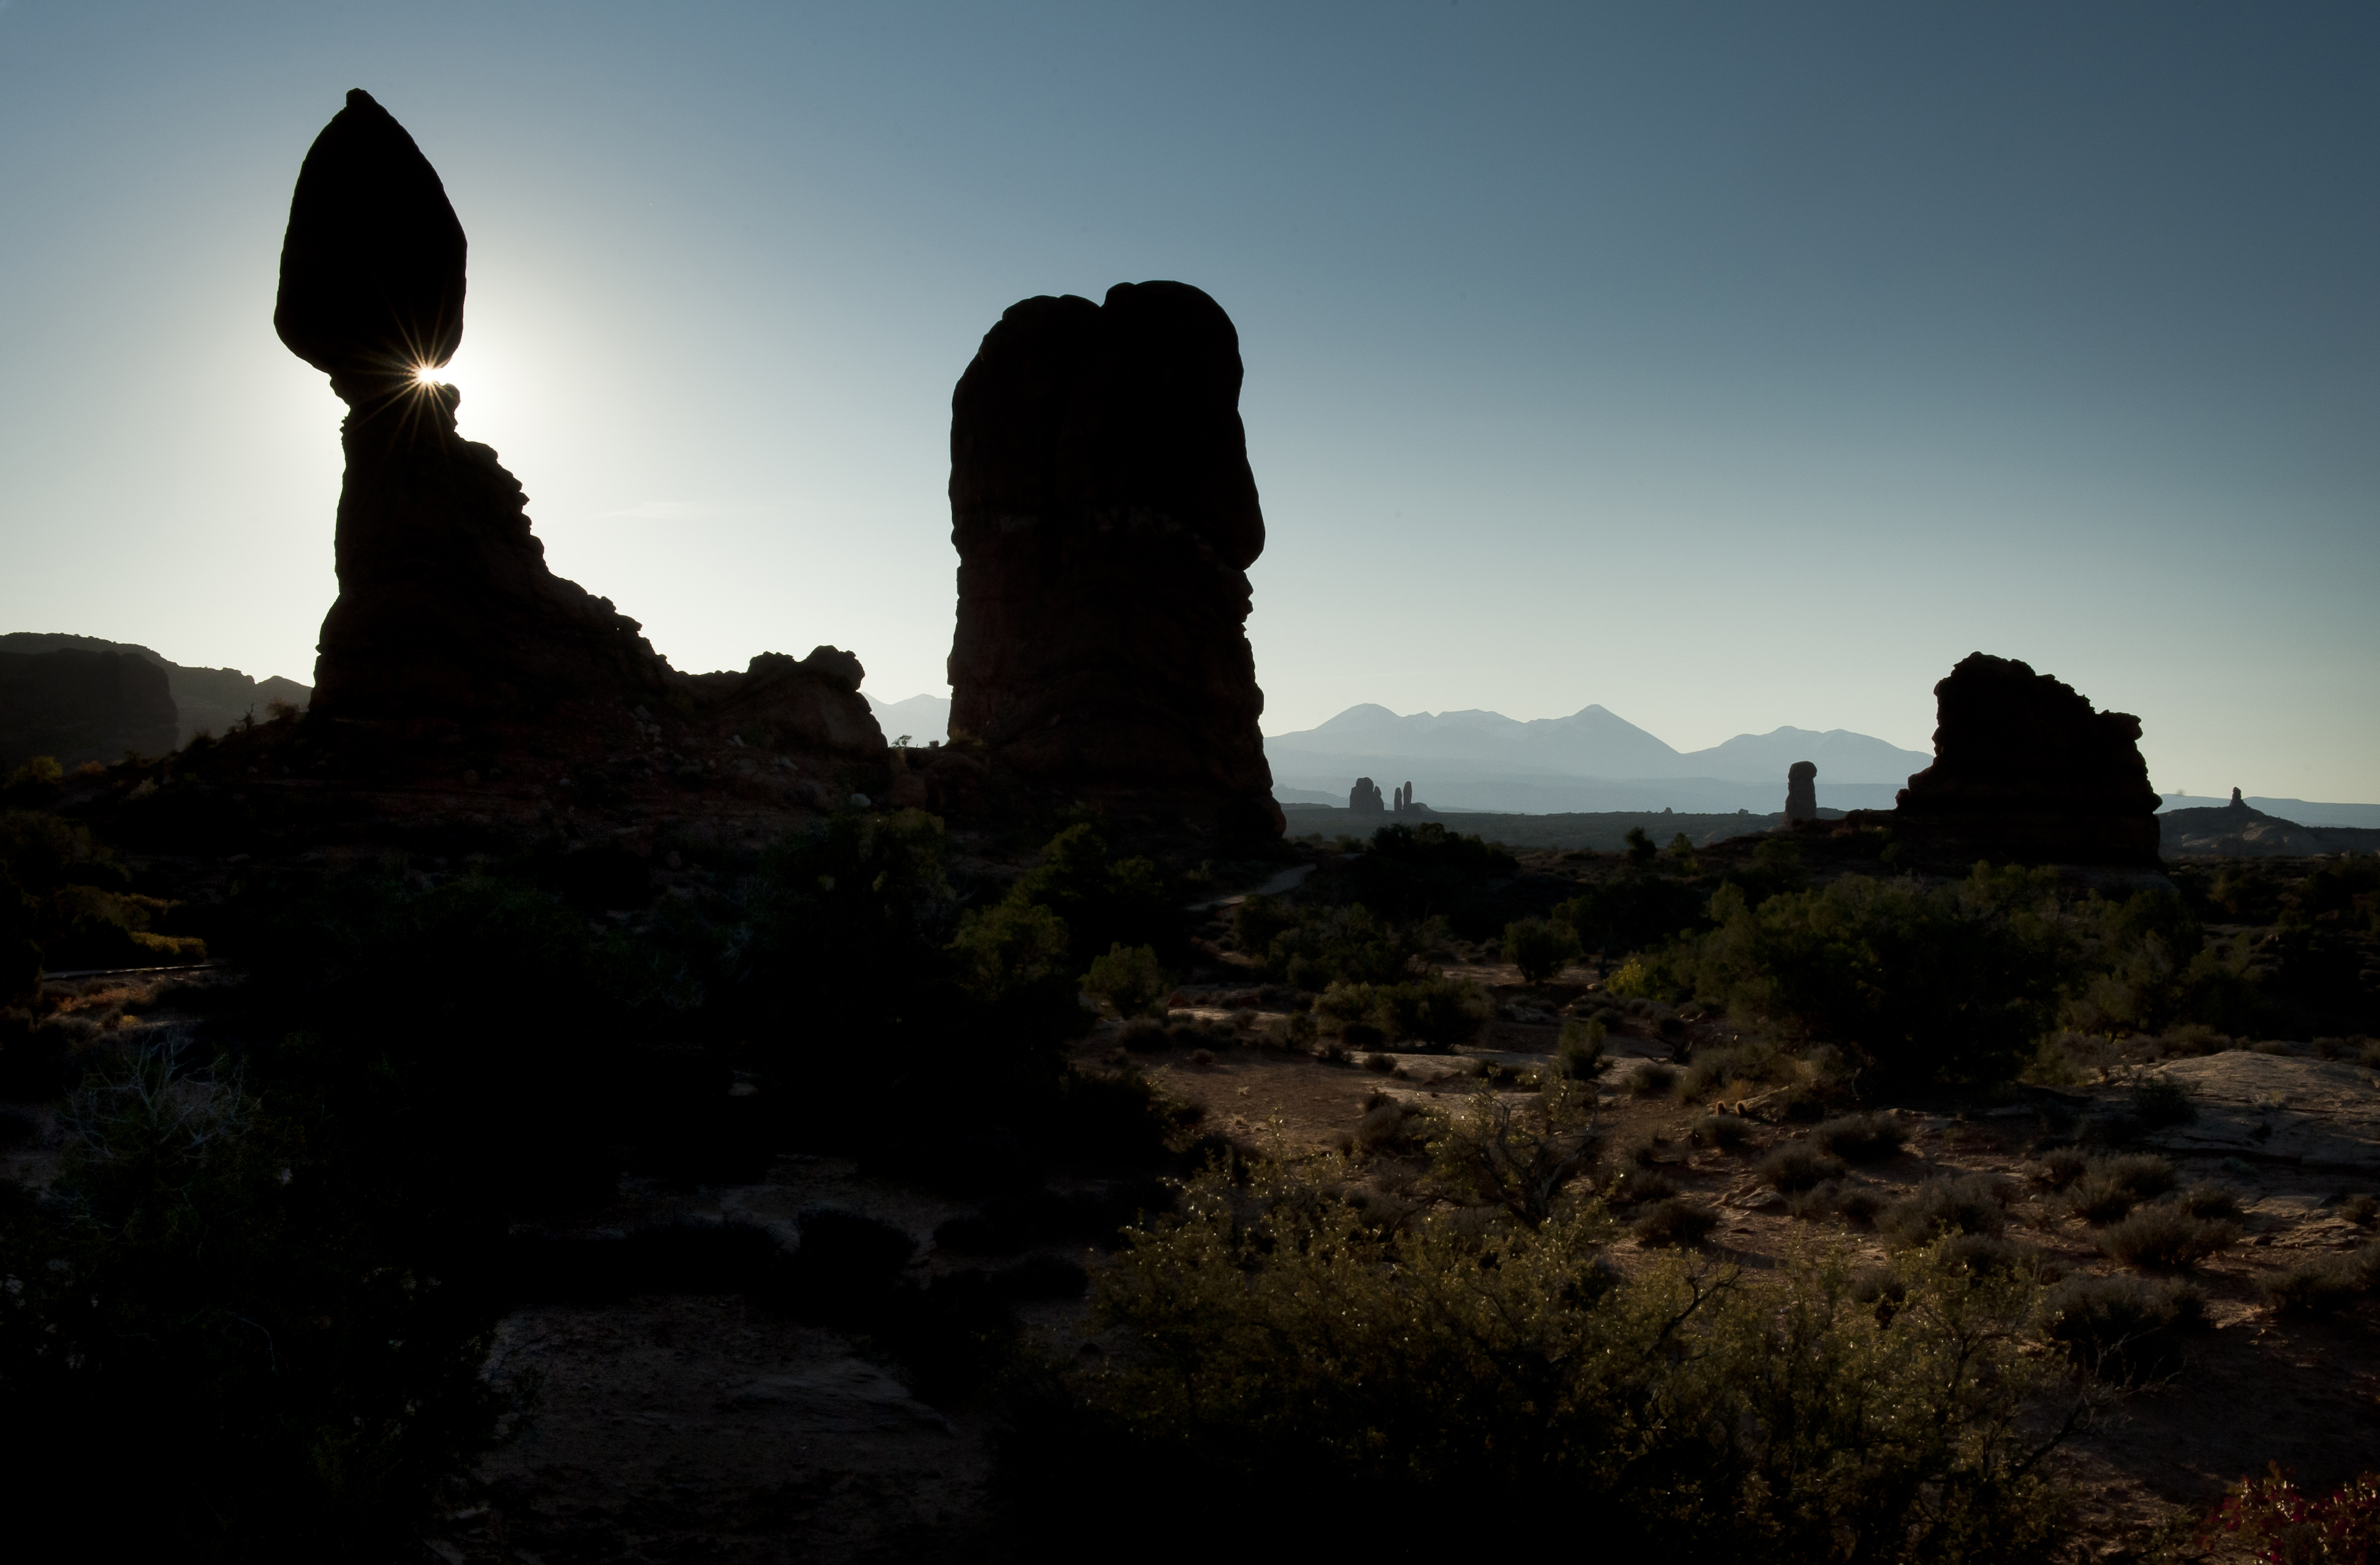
(425, 374)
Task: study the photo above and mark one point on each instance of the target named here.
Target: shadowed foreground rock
(2026, 771)
(447, 614)
(76, 706)
(1105, 517)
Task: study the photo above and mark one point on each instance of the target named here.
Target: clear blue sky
(1728, 366)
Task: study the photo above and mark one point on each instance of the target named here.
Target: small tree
(1540, 950)
(1129, 978)
(1640, 850)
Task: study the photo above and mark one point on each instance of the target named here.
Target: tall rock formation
(2025, 770)
(1363, 798)
(447, 610)
(1105, 517)
(1800, 792)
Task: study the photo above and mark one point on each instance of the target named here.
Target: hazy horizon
(1728, 366)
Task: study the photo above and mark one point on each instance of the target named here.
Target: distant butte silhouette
(446, 610)
(1802, 792)
(2026, 771)
(1105, 517)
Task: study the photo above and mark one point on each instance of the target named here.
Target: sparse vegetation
(1301, 1366)
(2164, 1237)
(1974, 1204)
(1540, 949)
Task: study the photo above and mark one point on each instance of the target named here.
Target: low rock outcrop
(447, 614)
(1800, 792)
(2025, 770)
(1105, 517)
(76, 706)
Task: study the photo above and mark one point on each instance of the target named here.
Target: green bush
(1129, 978)
(1436, 1013)
(1415, 873)
(1104, 900)
(1946, 984)
(1540, 950)
(1347, 944)
(1578, 1055)
(1635, 912)
(1377, 1388)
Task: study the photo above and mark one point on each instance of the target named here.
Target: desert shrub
(1633, 913)
(1674, 1222)
(2121, 1328)
(1539, 949)
(1713, 1070)
(1652, 1079)
(1330, 1381)
(1493, 1153)
(2288, 1526)
(1861, 1138)
(1578, 1055)
(2210, 1201)
(220, 1296)
(2159, 1102)
(1640, 849)
(1435, 1013)
(1991, 1255)
(2321, 1286)
(2061, 1166)
(1797, 1165)
(1411, 873)
(1956, 1203)
(2146, 966)
(1944, 984)
(1104, 900)
(1346, 944)
(1129, 979)
(1726, 1131)
(2165, 1237)
(66, 903)
(2112, 1186)
(1258, 920)
(1641, 1184)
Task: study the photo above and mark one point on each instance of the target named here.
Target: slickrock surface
(1105, 517)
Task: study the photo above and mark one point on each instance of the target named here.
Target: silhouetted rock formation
(2236, 802)
(2025, 771)
(206, 701)
(1800, 792)
(1105, 517)
(77, 706)
(1404, 798)
(371, 268)
(1363, 798)
(447, 610)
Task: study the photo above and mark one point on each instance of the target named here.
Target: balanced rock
(371, 268)
(448, 612)
(1802, 792)
(2025, 770)
(76, 706)
(1105, 517)
(1363, 798)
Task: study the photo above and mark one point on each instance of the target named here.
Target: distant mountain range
(1594, 760)
(205, 699)
(925, 719)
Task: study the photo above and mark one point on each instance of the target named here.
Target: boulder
(76, 706)
(1800, 792)
(1105, 517)
(371, 266)
(2026, 771)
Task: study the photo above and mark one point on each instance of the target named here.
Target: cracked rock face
(2025, 770)
(1105, 517)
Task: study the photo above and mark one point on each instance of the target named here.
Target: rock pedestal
(1800, 792)
(1105, 517)
(447, 614)
(2026, 771)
